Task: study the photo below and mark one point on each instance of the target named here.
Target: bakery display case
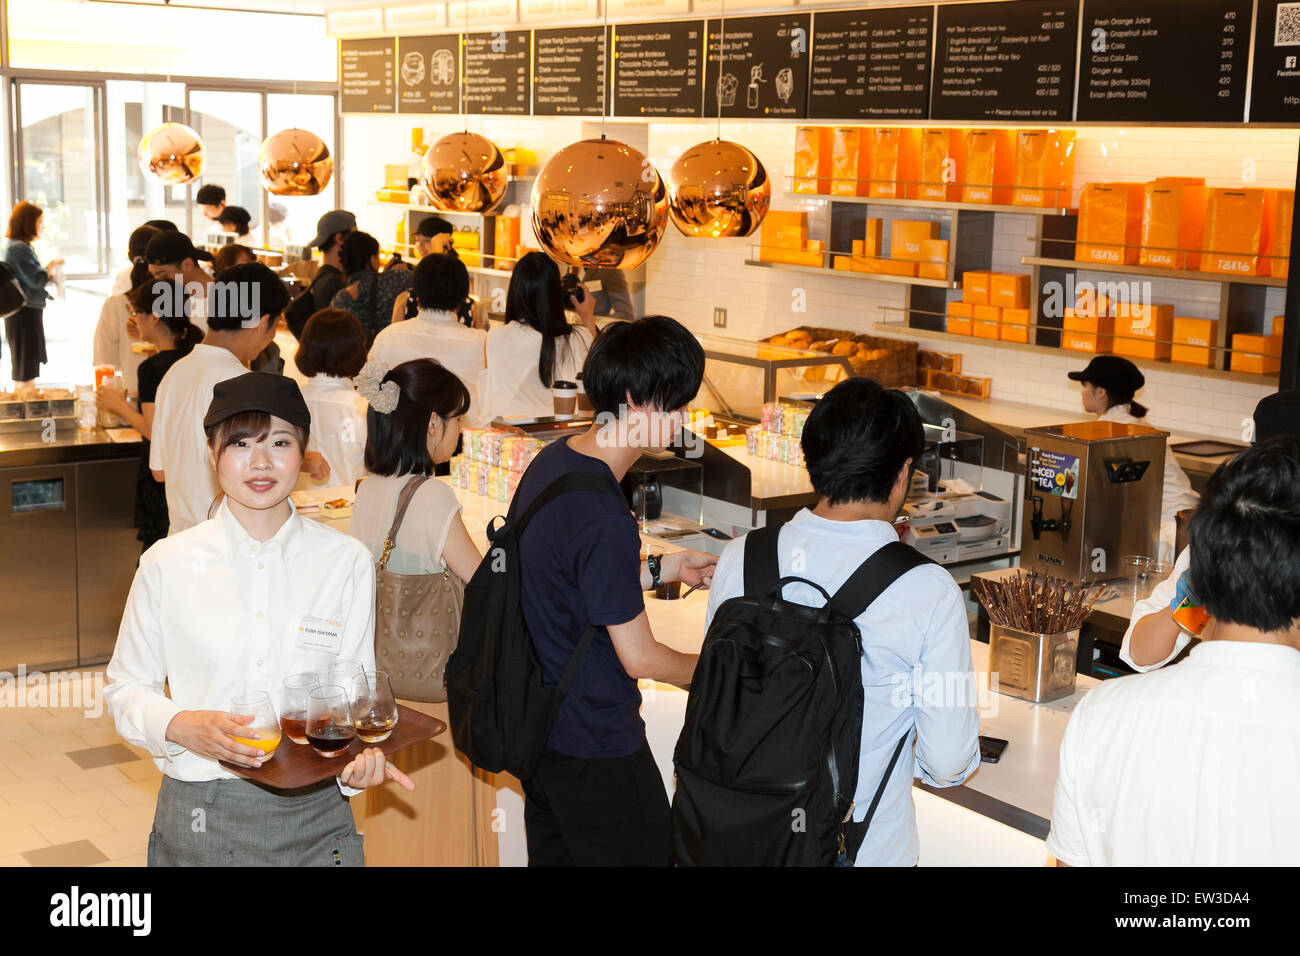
(740, 376)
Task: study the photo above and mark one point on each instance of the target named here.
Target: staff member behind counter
(1153, 638)
(610, 289)
(264, 571)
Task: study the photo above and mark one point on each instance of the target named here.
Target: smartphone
(991, 749)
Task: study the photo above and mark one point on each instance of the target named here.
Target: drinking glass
(344, 671)
(264, 724)
(375, 712)
(329, 720)
(293, 705)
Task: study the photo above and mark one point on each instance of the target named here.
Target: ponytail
(1136, 409)
(160, 300)
(139, 272)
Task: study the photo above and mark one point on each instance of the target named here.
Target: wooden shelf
(1153, 273)
(867, 276)
(939, 204)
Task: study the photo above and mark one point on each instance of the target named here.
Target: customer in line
(1196, 765)
(537, 346)
(114, 333)
(330, 353)
(331, 229)
(216, 611)
(25, 329)
(1153, 638)
(414, 417)
(861, 443)
(597, 797)
(235, 219)
(135, 247)
(211, 200)
(369, 294)
(160, 320)
(432, 237)
(172, 257)
(232, 255)
(440, 284)
(1109, 384)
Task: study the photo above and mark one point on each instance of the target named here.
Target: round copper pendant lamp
(718, 189)
(599, 203)
(294, 162)
(172, 153)
(464, 172)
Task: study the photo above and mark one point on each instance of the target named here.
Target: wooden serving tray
(298, 765)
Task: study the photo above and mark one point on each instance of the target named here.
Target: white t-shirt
(179, 448)
(113, 343)
(511, 384)
(438, 335)
(1192, 765)
(338, 429)
(122, 282)
(423, 534)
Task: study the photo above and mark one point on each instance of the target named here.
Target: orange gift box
(1075, 321)
(783, 231)
(1090, 302)
(990, 166)
(1015, 316)
(1044, 173)
(934, 259)
(813, 147)
(1145, 321)
(1280, 248)
(1142, 348)
(1260, 354)
(975, 287)
(1173, 222)
(985, 321)
(506, 236)
(943, 164)
(842, 263)
(1013, 333)
(1191, 355)
(1238, 231)
(1085, 342)
(1009, 289)
(907, 235)
(872, 240)
(1110, 223)
(796, 257)
(892, 267)
(1195, 331)
(850, 161)
(959, 317)
(895, 154)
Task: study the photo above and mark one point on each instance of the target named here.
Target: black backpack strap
(573, 481)
(873, 576)
(855, 833)
(762, 563)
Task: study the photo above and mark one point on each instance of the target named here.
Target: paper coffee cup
(564, 397)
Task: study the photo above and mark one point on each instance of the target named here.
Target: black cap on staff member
(258, 392)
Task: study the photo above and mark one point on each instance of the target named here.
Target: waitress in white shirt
(217, 610)
(1109, 384)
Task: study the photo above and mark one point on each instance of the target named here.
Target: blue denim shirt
(21, 258)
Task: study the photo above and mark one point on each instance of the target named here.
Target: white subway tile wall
(688, 278)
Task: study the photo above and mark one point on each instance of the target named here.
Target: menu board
(871, 64)
(657, 68)
(569, 71)
(1005, 61)
(1174, 61)
(758, 66)
(1275, 87)
(428, 74)
(497, 72)
(366, 82)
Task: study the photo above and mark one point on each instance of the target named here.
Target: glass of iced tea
(293, 705)
(330, 730)
(263, 724)
(375, 712)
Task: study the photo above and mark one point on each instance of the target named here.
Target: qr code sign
(1287, 29)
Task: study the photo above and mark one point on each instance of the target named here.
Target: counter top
(70, 444)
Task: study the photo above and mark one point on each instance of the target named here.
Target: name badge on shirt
(593, 285)
(320, 634)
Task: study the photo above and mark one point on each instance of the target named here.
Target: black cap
(168, 247)
(431, 226)
(1278, 414)
(1119, 377)
(258, 392)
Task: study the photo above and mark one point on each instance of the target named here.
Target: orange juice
(269, 740)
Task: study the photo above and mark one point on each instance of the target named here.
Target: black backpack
(501, 714)
(767, 760)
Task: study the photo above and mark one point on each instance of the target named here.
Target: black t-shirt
(581, 559)
(152, 370)
(325, 285)
(150, 498)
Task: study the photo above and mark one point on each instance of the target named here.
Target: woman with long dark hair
(114, 333)
(25, 329)
(537, 346)
(368, 293)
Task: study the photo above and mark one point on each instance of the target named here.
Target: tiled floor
(71, 792)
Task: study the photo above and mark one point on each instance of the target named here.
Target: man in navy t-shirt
(597, 797)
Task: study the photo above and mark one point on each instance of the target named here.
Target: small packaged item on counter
(751, 439)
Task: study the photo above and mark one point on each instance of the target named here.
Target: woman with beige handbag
(411, 523)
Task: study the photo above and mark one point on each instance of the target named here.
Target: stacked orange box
(869, 247)
(1088, 329)
(934, 259)
(850, 161)
(906, 237)
(883, 266)
(895, 155)
(1044, 172)
(986, 321)
(813, 148)
(1238, 231)
(1261, 354)
(1173, 223)
(1194, 341)
(1144, 331)
(783, 237)
(506, 241)
(959, 317)
(975, 286)
(1280, 248)
(1015, 325)
(1009, 290)
(1110, 223)
(943, 153)
(990, 166)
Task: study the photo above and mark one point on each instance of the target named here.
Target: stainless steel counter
(67, 445)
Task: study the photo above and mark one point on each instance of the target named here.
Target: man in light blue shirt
(859, 444)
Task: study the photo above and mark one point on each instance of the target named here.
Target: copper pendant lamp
(294, 162)
(172, 153)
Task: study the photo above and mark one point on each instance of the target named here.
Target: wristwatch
(655, 563)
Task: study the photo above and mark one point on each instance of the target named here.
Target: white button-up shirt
(438, 335)
(511, 384)
(214, 613)
(338, 429)
(1193, 765)
(179, 448)
(916, 645)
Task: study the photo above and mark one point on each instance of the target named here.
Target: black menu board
(1275, 88)
(764, 66)
(497, 72)
(1164, 61)
(366, 82)
(1005, 61)
(657, 68)
(871, 63)
(569, 72)
(428, 74)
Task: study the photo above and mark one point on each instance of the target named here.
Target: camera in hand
(570, 284)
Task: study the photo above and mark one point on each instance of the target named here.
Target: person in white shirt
(1198, 764)
(262, 573)
(172, 257)
(440, 285)
(1109, 384)
(178, 455)
(860, 443)
(331, 353)
(114, 333)
(537, 346)
(1153, 638)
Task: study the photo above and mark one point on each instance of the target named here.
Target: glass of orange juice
(264, 723)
